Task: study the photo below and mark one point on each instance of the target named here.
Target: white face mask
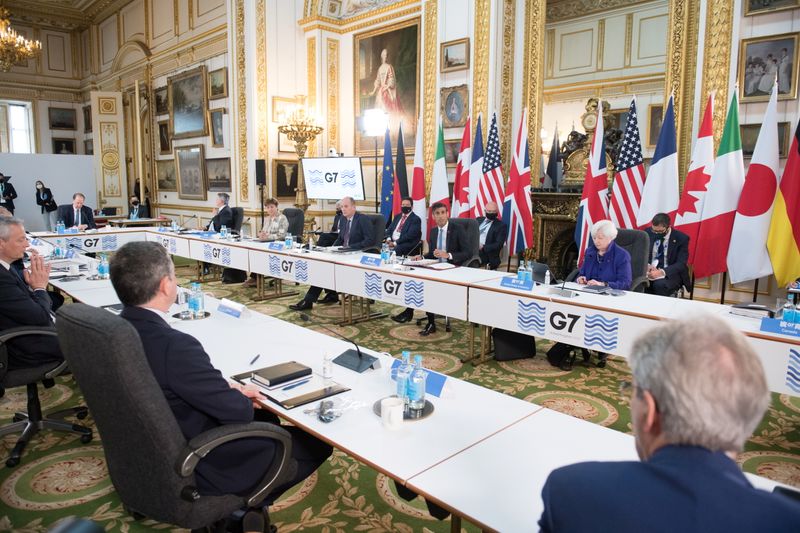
(40, 186)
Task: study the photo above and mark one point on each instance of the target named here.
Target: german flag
(783, 241)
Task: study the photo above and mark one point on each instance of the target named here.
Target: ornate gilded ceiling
(568, 9)
(62, 14)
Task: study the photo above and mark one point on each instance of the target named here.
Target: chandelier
(14, 48)
(301, 128)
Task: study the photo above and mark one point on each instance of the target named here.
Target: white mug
(74, 270)
(392, 412)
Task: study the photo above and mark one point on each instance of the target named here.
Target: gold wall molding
(333, 93)
(533, 77)
(480, 64)
(355, 27)
(429, 131)
(315, 15)
(558, 10)
(311, 66)
(601, 42)
(628, 38)
(507, 82)
(262, 123)
(241, 101)
(716, 60)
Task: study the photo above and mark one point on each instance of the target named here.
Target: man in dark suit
(698, 392)
(405, 231)
(355, 233)
(136, 210)
(493, 235)
(7, 194)
(24, 300)
(77, 215)
(448, 244)
(669, 252)
(223, 215)
(201, 399)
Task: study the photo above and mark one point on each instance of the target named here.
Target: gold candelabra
(14, 48)
(301, 128)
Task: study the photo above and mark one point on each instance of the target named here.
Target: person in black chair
(136, 210)
(669, 252)
(223, 214)
(77, 215)
(329, 237)
(7, 194)
(448, 244)
(201, 399)
(493, 233)
(355, 233)
(24, 300)
(404, 237)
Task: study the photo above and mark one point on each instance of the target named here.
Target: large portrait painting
(387, 77)
(762, 59)
(191, 169)
(188, 102)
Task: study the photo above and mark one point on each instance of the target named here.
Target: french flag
(660, 191)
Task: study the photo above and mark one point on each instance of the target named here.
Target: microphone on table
(410, 253)
(352, 359)
(182, 226)
(243, 225)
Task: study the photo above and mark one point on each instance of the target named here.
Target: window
(16, 132)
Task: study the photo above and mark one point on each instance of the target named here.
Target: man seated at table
(698, 393)
(201, 399)
(355, 232)
(24, 300)
(669, 252)
(493, 235)
(136, 210)
(404, 233)
(76, 215)
(223, 214)
(446, 243)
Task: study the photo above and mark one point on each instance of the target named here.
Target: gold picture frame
(454, 55)
(760, 59)
(655, 117)
(749, 135)
(751, 7)
(282, 108)
(188, 101)
(285, 176)
(62, 118)
(190, 170)
(454, 102)
(218, 83)
(164, 138)
(216, 123)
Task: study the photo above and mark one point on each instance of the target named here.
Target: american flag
(490, 188)
(626, 192)
(517, 208)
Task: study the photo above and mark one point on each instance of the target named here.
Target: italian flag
(440, 192)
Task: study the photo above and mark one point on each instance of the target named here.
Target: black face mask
(338, 211)
(491, 216)
(2, 180)
(405, 210)
(135, 203)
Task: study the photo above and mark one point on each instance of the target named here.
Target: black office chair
(111, 211)
(378, 224)
(473, 234)
(30, 423)
(297, 220)
(238, 218)
(150, 462)
(637, 244)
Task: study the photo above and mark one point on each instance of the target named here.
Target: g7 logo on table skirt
(530, 317)
(301, 270)
(274, 266)
(372, 285)
(108, 242)
(793, 371)
(415, 293)
(601, 332)
(211, 253)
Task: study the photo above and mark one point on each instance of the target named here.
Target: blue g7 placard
(370, 260)
(275, 246)
(519, 284)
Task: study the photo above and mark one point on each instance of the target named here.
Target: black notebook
(274, 375)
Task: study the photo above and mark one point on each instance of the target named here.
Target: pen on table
(293, 385)
(255, 359)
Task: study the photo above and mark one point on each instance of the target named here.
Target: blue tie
(77, 217)
(440, 246)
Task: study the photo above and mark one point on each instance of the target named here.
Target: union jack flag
(517, 209)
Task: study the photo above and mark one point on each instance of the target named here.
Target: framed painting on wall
(62, 118)
(64, 146)
(455, 106)
(451, 152)
(387, 77)
(88, 146)
(218, 83)
(215, 117)
(164, 140)
(282, 107)
(454, 55)
(756, 7)
(284, 178)
(165, 174)
(188, 102)
(219, 174)
(285, 145)
(749, 133)
(763, 58)
(161, 101)
(87, 119)
(655, 116)
(191, 172)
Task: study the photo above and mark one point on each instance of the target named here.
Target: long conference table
(606, 323)
(483, 455)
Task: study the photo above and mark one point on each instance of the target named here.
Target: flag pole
(755, 291)
(724, 282)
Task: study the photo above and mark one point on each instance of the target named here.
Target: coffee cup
(392, 412)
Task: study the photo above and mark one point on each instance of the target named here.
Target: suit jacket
(410, 234)
(614, 267)
(9, 193)
(143, 211)
(495, 240)
(201, 399)
(681, 488)
(677, 255)
(360, 232)
(223, 218)
(67, 214)
(44, 198)
(19, 306)
(456, 244)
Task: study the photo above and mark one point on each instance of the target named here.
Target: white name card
(234, 309)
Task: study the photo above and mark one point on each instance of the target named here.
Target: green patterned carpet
(59, 477)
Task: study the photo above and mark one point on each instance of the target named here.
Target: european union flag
(387, 180)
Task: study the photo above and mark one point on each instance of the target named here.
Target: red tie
(400, 225)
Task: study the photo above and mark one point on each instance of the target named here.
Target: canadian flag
(690, 208)
(461, 205)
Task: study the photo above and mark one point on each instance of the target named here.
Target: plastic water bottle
(174, 226)
(529, 271)
(102, 270)
(416, 397)
(796, 309)
(197, 301)
(385, 253)
(288, 242)
(403, 372)
(223, 232)
(393, 258)
(58, 249)
(547, 277)
(60, 228)
(521, 270)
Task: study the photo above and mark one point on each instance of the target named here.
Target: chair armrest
(9, 334)
(639, 284)
(572, 276)
(203, 444)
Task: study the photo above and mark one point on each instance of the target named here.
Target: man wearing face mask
(7, 194)
(669, 252)
(137, 210)
(404, 233)
(493, 232)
